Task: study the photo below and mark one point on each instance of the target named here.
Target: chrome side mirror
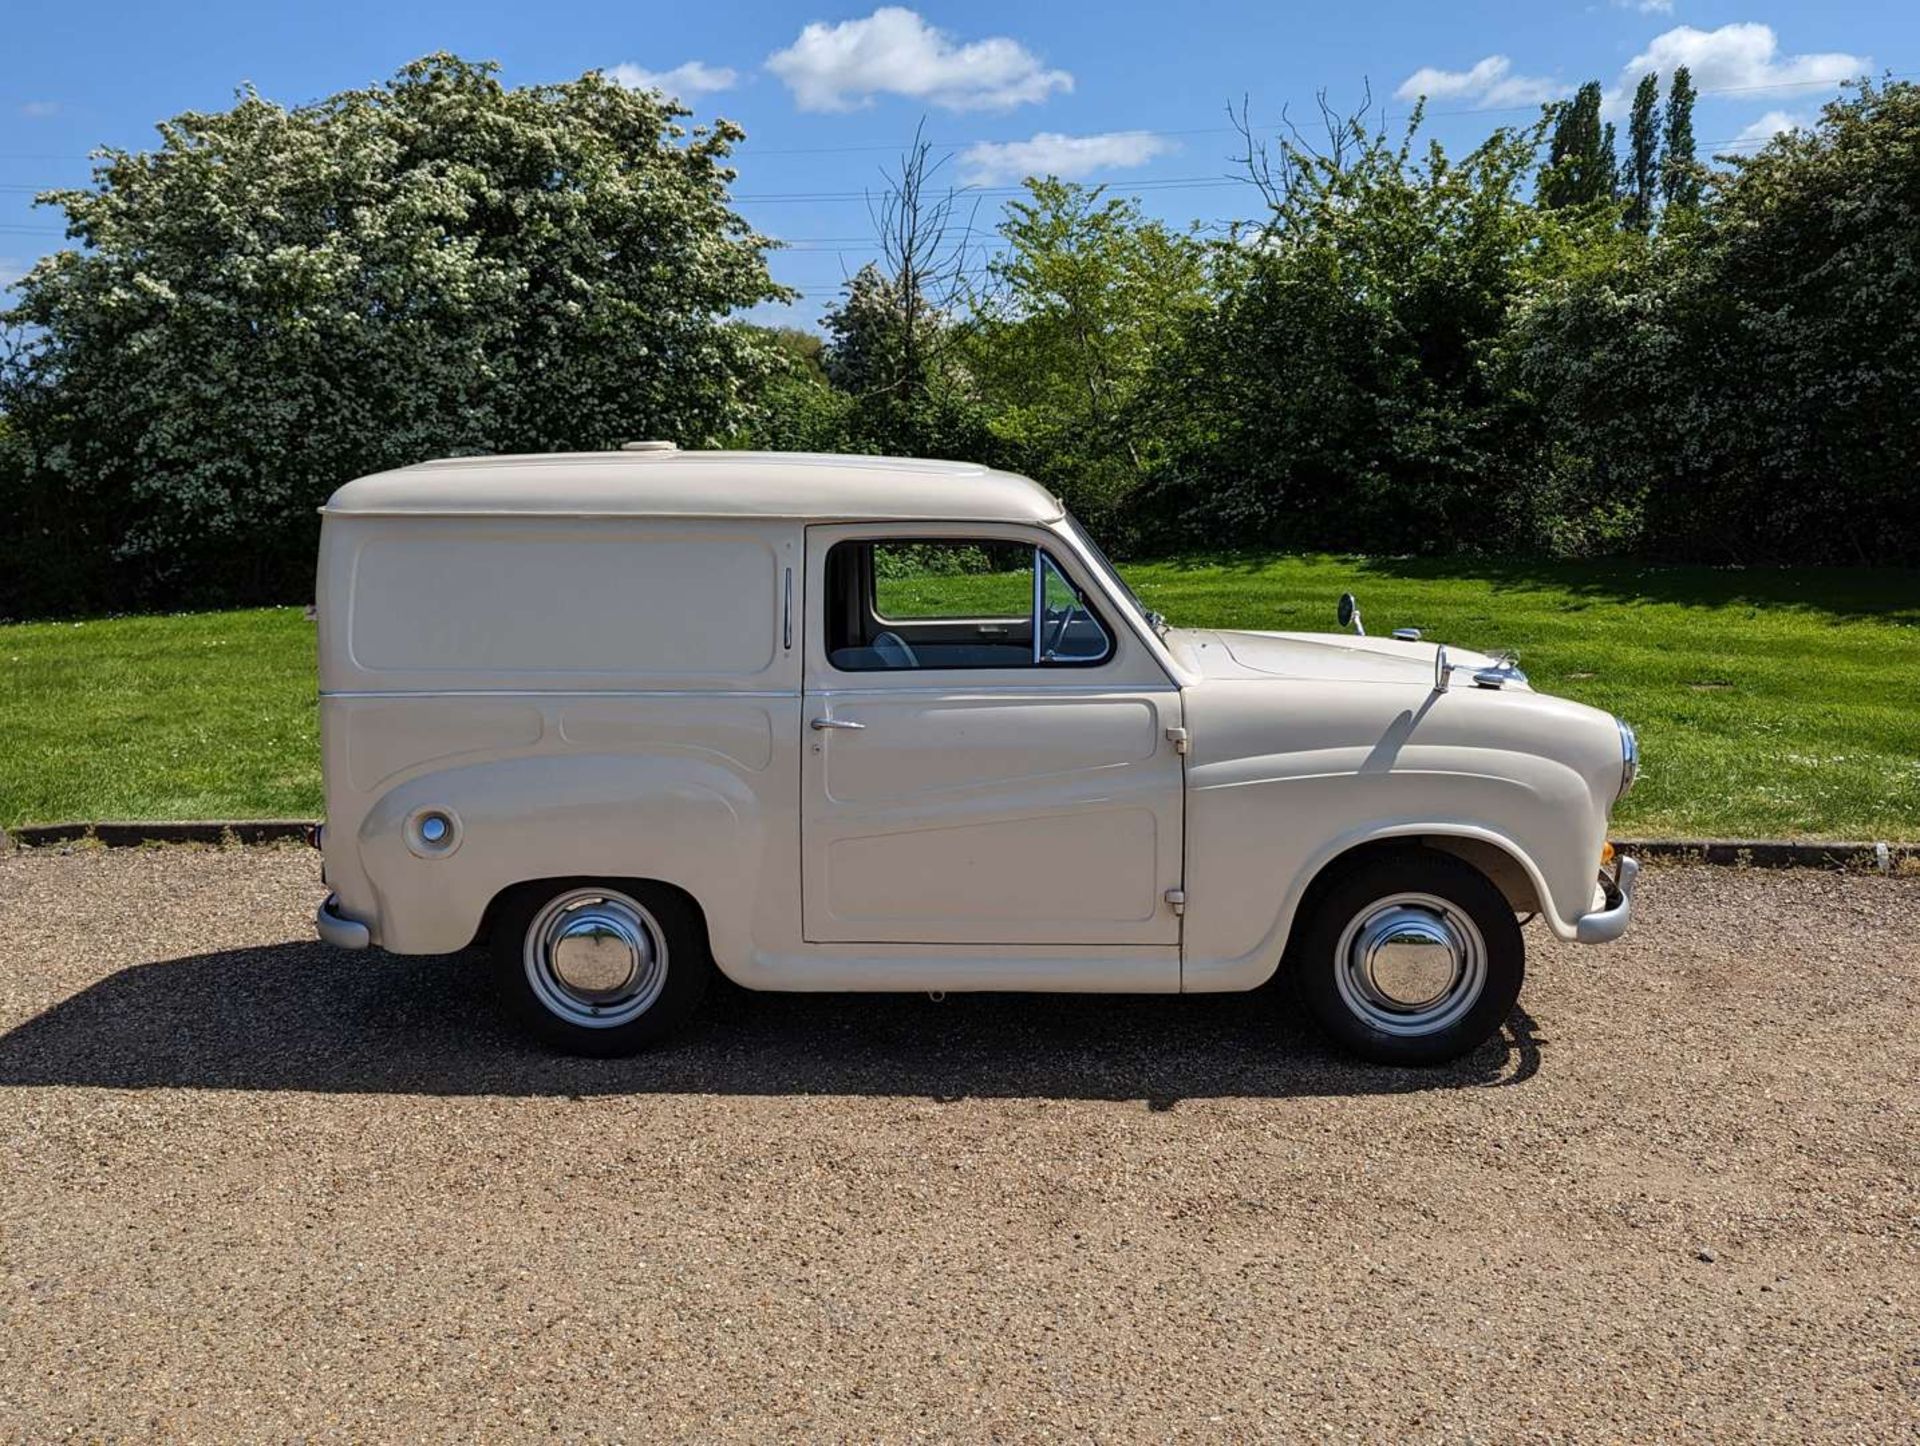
(1349, 614)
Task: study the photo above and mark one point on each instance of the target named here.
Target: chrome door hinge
(1177, 898)
(1178, 738)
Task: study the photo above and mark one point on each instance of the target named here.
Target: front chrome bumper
(337, 929)
(1605, 925)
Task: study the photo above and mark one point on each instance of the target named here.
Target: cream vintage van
(857, 723)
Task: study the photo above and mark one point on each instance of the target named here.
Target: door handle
(820, 725)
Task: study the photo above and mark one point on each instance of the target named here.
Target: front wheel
(1413, 957)
(600, 968)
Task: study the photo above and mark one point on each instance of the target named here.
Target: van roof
(671, 483)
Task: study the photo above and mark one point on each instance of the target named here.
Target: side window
(948, 581)
(959, 602)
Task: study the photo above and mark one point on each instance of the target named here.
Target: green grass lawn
(1769, 703)
(201, 715)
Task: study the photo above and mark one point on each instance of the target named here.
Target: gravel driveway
(253, 1188)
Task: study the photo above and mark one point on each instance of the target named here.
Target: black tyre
(600, 967)
(1411, 957)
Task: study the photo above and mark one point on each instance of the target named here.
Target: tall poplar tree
(1643, 146)
(1580, 165)
(1680, 177)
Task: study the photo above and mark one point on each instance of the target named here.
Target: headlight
(1629, 759)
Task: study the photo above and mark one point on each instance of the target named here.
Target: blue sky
(1125, 92)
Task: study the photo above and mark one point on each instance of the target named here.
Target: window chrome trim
(1038, 612)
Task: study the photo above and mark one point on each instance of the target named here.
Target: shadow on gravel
(308, 1017)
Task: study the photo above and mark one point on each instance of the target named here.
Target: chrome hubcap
(1411, 964)
(1408, 959)
(596, 958)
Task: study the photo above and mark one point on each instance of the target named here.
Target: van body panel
(683, 819)
(489, 605)
(1079, 844)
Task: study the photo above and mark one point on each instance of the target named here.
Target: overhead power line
(1271, 125)
(805, 243)
(1178, 183)
(881, 146)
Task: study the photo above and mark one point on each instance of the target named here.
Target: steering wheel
(1060, 631)
(893, 651)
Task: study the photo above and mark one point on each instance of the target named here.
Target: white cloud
(1051, 154)
(1739, 57)
(895, 52)
(40, 109)
(1646, 7)
(694, 77)
(1766, 128)
(1490, 83)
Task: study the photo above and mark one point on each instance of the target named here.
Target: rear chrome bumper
(337, 929)
(1606, 925)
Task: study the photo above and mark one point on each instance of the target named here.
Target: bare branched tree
(925, 244)
(1277, 173)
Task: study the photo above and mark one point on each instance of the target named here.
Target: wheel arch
(507, 894)
(1498, 858)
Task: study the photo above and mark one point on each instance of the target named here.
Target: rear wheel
(600, 968)
(1412, 957)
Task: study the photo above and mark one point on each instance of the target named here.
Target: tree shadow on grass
(303, 1016)
(1886, 595)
